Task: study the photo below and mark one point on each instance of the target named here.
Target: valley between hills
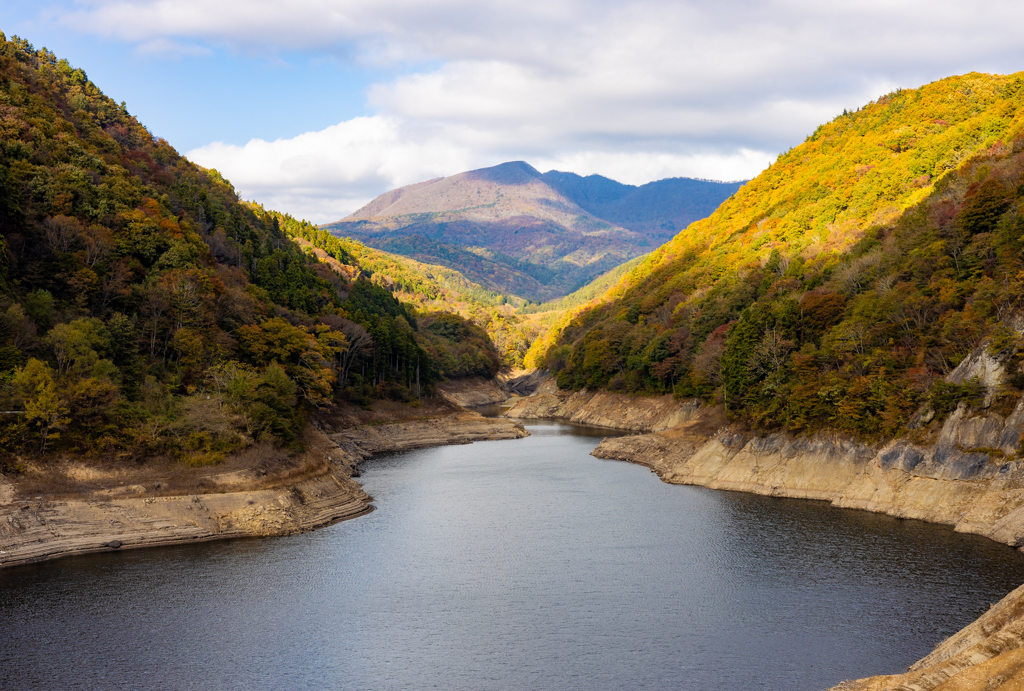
(847, 326)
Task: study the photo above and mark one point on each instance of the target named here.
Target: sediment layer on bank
(236, 504)
(965, 474)
(473, 391)
(603, 409)
(477, 391)
(986, 655)
(459, 428)
(957, 480)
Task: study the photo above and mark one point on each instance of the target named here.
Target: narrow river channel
(511, 565)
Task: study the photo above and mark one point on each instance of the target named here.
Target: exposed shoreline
(34, 530)
(682, 442)
(950, 478)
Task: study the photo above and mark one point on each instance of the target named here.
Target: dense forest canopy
(840, 286)
(144, 309)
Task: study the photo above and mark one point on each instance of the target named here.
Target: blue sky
(315, 106)
(219, 94)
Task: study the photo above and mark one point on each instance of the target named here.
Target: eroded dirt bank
(458, 428)
(474, 391)
(317, 490)
(477, 391)
(964, 474)
(602, 409)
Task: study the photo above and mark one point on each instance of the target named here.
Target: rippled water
(520, 564)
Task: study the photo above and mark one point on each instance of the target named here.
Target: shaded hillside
(658, 209)
(511, 231)
(145, 310)
(841, 285)
(499, 272)
(593, 290)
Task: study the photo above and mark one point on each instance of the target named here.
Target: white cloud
(628, 90)
(325, 175)
(167, 48)
(639, 168)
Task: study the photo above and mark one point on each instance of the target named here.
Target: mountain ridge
(642, 208)
(537, 235)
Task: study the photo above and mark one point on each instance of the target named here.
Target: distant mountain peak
(490, 194)
(510, 173)
(544, 234)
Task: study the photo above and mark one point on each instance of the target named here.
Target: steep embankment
(474, 391)
(952, 480)
(987, 655)
(226, 505)
(460, 428)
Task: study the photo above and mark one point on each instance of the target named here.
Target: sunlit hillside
(840, 284)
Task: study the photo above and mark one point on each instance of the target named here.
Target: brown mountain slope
(487, 195)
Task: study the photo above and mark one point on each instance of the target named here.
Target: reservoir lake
(523, 564)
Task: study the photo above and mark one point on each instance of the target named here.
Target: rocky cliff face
(987, 655)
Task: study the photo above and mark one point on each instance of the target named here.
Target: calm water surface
(522, 564)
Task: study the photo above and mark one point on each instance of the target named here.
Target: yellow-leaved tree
(44, 409)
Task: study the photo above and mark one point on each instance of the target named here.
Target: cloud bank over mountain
(635, 92)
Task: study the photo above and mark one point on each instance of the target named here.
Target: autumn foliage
(146, 311)
(839, 286)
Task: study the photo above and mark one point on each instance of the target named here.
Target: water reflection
(521, 564)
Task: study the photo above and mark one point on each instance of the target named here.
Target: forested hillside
(840, 286)
(145, 310)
